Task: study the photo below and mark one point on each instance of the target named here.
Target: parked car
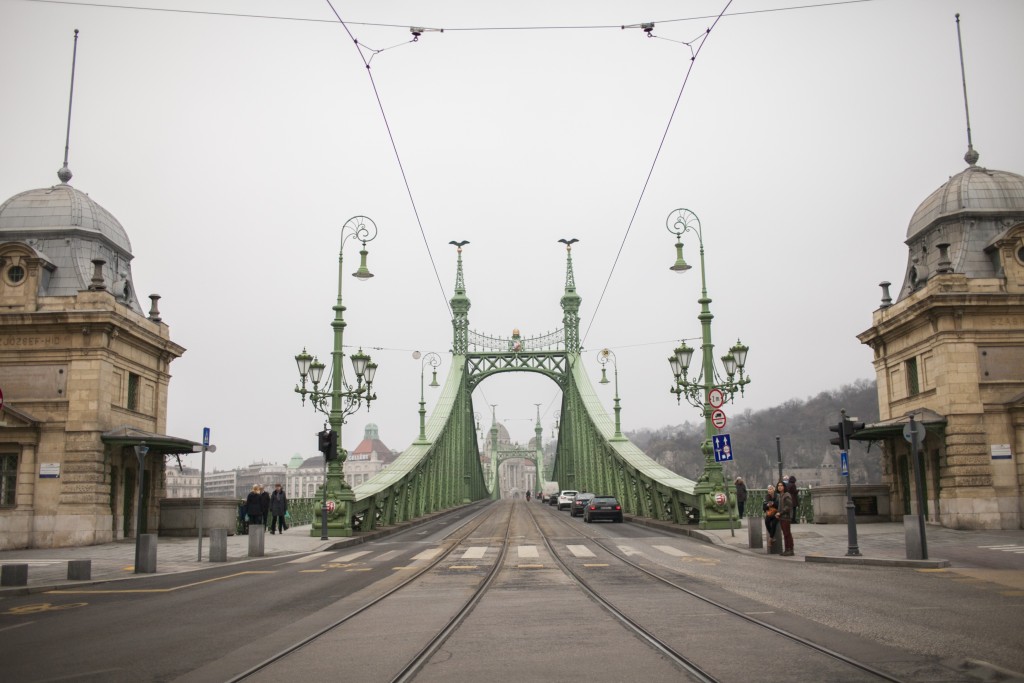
(579, 503)
(603, 507)
(565, 499)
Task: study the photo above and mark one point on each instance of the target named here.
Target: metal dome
(61, 208)
(976, 191)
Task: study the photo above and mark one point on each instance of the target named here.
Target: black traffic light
(837, 440)
(851, 429)
(327, 441)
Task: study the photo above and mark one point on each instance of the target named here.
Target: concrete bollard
(256, 540)
(14, 575)
(147, 554)
(754, 533)
(79, 570)
(912, 537)
(218, 545)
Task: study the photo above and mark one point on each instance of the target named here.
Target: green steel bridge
(444, 470)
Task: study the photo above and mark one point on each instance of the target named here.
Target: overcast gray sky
(232, 149)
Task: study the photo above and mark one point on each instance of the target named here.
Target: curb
(877, 561)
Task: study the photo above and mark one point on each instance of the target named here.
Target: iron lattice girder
(553, 364)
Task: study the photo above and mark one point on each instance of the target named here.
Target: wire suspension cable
(654, 163)
(398, 158)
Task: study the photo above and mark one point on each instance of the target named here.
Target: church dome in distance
(975, 191)
(38, 214)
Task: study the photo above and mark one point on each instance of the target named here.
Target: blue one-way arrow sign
(722, 446)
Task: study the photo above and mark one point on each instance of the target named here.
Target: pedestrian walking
(264, 505)
(770, 507)
(741, 494)
(278, 508)
(254, 507)
(785, 516)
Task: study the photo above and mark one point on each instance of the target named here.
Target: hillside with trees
(802, 428)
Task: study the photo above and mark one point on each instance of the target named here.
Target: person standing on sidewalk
(785, 517)
(771, 509)
(741, 495)
(254, 507)
(265, 505)
(278, 506)
(791, 487)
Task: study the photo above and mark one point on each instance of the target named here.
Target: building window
(8, 479)
(133, 391)
(15, 274)
(913, 385)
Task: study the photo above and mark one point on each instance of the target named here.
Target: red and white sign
(718, 418)
(720, 498)
(330, 506)
(716, 398)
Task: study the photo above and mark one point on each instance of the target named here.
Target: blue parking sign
(206, 436)
(722, 446)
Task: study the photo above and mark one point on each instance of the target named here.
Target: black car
(553, 499)
(602, 507)
(579, 503)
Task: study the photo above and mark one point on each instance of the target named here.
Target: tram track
(685, 662)
(424, 654)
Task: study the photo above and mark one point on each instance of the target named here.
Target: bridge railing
(590, 458)
(441, 473)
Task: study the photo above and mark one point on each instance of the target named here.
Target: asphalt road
(958, 624)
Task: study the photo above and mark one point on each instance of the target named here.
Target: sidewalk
(882, 544)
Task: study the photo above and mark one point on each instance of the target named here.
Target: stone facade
(78, 362)
(950, 352)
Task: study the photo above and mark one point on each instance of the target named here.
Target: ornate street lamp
(707, 390)
(433, 360)
(603, 356)
(338, 399)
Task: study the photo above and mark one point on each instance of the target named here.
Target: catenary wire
(650, 172)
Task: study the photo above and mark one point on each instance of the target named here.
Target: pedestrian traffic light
(838, 439)
(327, 441)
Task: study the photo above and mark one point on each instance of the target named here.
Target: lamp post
(603, 356)
(708, 390)
(344, 399)
(433, 360)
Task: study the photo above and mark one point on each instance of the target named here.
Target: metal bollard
(256, 540)
(14, 575)
(218, 545)
(79, 570)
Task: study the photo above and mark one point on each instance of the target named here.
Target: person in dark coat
(741, 495)
(791, 487)
(770, 506)
(253, 506)
(264, 505)
(785, 515)
(278, 506)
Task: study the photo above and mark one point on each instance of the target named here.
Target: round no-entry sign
(718, 418)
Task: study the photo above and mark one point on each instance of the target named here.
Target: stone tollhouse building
(84, 374)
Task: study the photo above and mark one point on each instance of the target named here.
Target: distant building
(182, 483)
(368, 458)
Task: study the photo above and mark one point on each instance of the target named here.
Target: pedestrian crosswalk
(1005, 548)
(529, 552)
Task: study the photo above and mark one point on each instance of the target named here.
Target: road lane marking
(387, 557)
(427, 554)
(531, 566)
(312, 557)
(352, 556)
(629, 551)
(312, 571)
(475, 553)
(155, 590)
(42, 607)
(580, 551)
(669, 550)
(594, 565)
(463, 566)
(526, 551)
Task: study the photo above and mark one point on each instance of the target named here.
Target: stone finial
(154, 314)
(944, 265)
(886, 299)
(97, 284)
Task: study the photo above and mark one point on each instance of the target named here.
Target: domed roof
(975, 190)
(61, 208)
